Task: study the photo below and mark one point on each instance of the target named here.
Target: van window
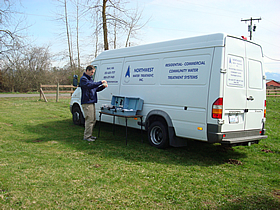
(235, 76)
(255, 74)
(93, 76)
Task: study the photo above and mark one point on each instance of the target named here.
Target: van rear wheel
(158, 135)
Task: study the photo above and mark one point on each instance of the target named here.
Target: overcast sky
(174, 19)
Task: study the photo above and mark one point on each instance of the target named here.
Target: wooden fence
(272, 92)
(55, 89)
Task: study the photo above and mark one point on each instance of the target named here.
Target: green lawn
(45, 164)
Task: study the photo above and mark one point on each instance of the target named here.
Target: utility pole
(251, 28)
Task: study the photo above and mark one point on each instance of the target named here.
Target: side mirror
(75, 80)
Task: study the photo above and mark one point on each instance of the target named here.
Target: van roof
(211, 40)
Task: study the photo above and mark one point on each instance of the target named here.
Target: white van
(208, 88)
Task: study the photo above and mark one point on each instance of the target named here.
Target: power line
(38, 15)
(271, 58)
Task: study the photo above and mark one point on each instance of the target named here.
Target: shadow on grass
(252, 202)
(113, 146)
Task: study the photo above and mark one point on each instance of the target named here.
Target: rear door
(255, 87)
(235, 92)
(244, 92)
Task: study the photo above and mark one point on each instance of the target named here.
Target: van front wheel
(77, 115)
(158, 135)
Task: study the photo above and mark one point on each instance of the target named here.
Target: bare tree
(134, 25)
(10, 28)
(73, 11)
(96, 34)
(113, 25)
(104, 23)
(68, 35)
(116, 19)
(77, 30)
(25, 69)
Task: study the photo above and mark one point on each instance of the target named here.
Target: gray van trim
(215, 135)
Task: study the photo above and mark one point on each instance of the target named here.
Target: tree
(116, 19)
(68, 35)
(70, 16)
(113, 26)
(25, 69)
(10, 27)
(77, 30)
(134, 25)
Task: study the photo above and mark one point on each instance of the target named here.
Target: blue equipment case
(122, 105)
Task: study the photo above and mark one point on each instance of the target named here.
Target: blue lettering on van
(139, 70)
(193, 63)
(191, 77)
(175, 77)
(109, 77)
(147, 75)
(183, 77)
(127, 74)
(183, 70)
(173, 64)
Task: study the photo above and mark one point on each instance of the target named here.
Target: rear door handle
(250, 98)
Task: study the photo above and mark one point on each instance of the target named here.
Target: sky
(169, 20)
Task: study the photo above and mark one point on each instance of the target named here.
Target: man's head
(90, 70)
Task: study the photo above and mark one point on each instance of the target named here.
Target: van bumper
(215, 135)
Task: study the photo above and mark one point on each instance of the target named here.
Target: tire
(158, 135)
(77, 115)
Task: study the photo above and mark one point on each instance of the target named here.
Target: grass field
(45, 164)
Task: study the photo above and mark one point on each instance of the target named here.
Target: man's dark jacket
(89, 89)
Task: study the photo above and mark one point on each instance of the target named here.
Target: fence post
(57, 92)
(40, 91)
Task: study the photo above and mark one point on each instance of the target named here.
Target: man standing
(89, 98)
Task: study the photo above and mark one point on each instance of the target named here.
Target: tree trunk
(68, 35)
(78, 50)
(96, 35)
(105, 30)
(127, 39)
(115, 35)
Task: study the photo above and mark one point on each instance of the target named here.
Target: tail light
(217, 108)
(264, 114)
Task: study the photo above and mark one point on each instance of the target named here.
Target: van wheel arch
(159, 123)
(77, 115)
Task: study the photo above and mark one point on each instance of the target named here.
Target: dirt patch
(234, 162)
(276, 194)
(37, 140)
(6, 124)
(267, 151)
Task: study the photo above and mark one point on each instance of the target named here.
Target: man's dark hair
(89, 68)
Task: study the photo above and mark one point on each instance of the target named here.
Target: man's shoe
(93, 137)
(89, 139)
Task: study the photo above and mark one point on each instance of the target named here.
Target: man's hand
(104, 83)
